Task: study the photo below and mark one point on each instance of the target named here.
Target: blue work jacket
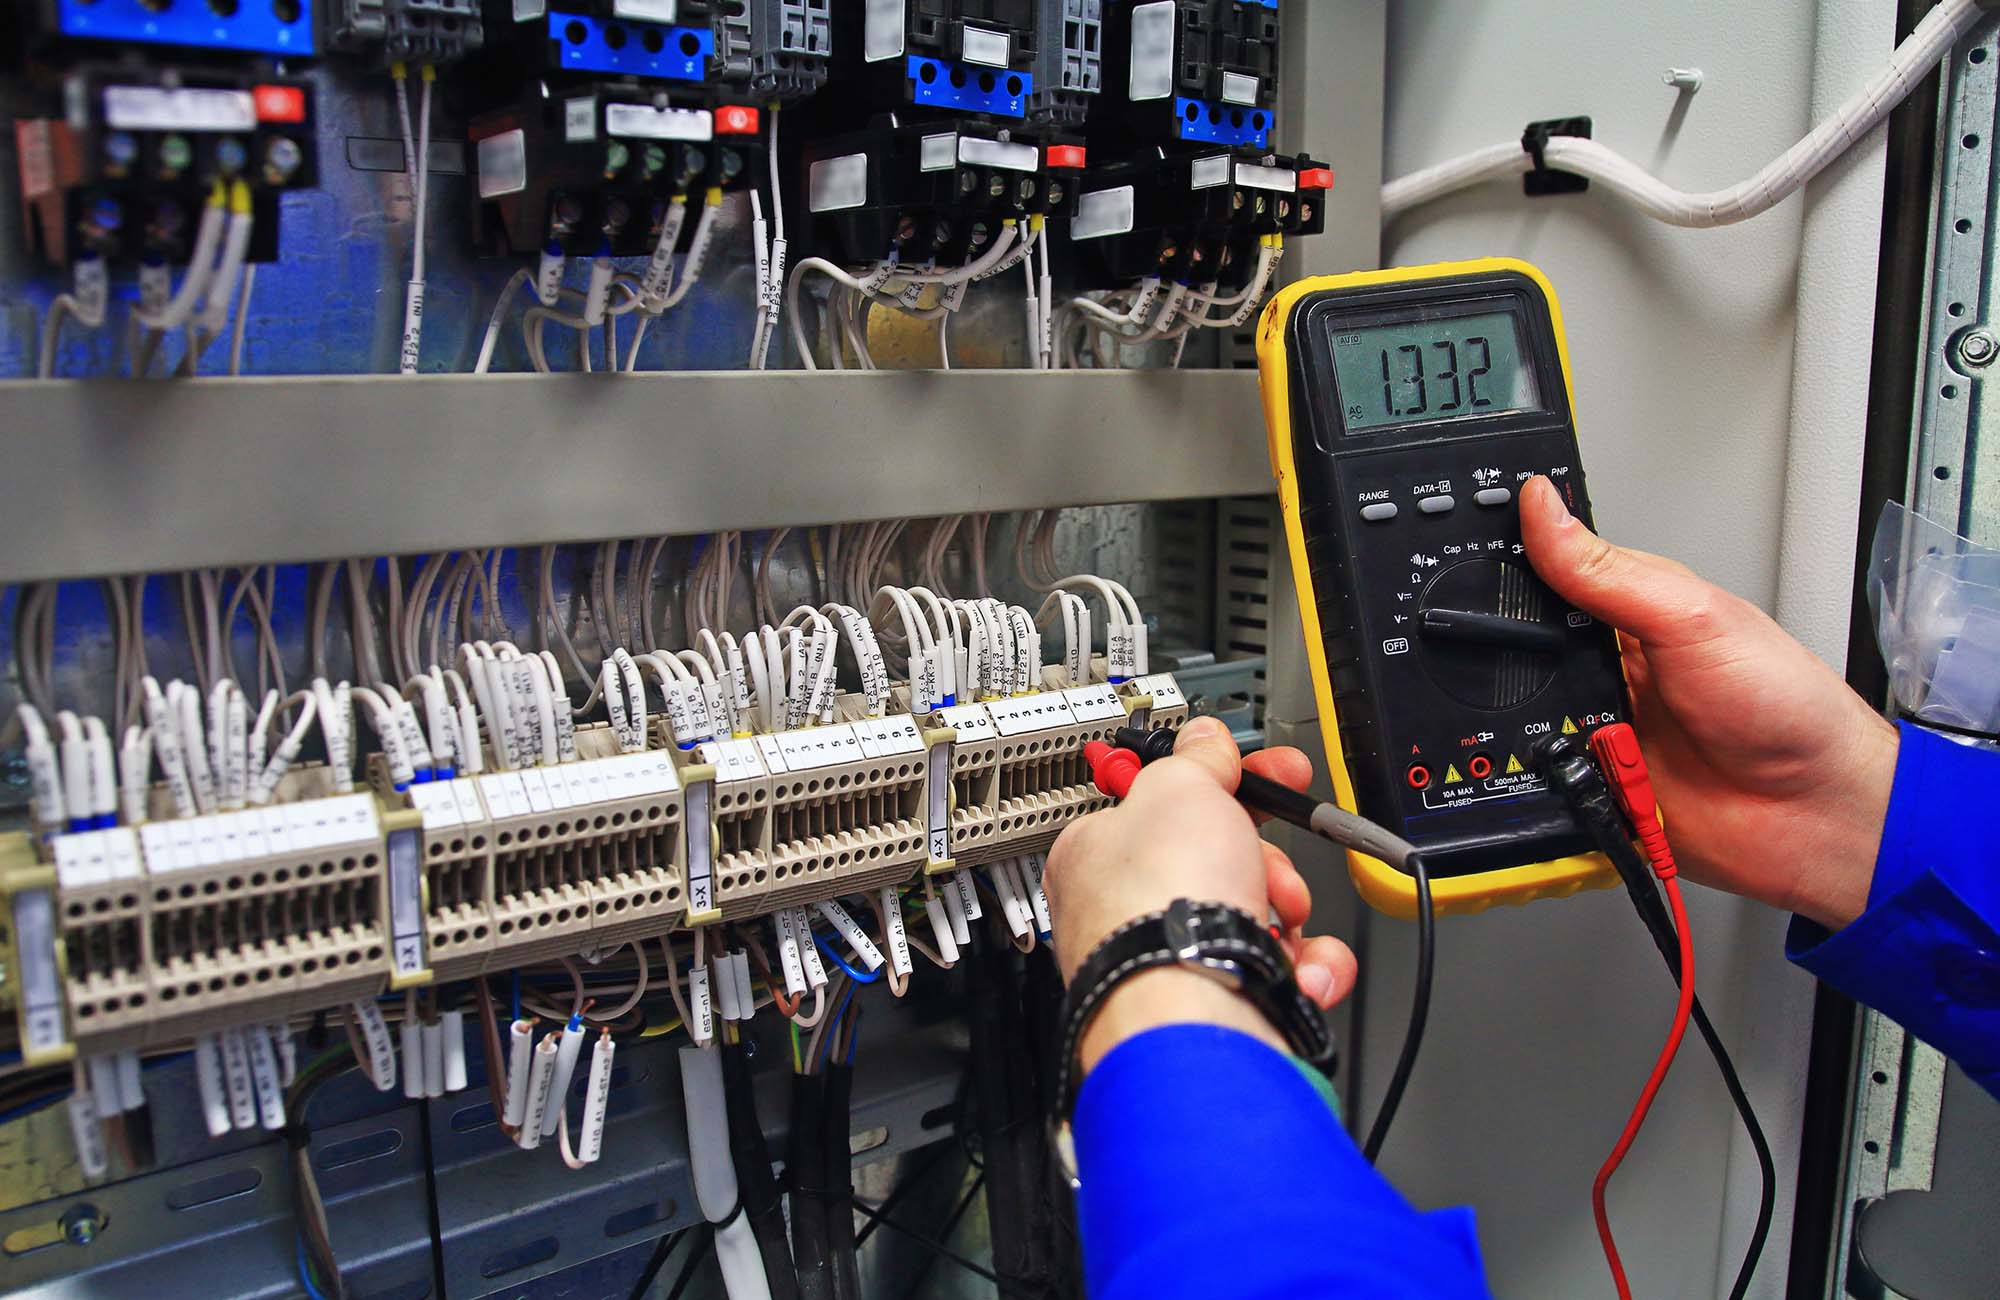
(1213, 1166)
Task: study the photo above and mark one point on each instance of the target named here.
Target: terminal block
(1193, 216)
(414, 32)
(183, 925)
(951, 56)
(1018, 771)
(1156, 702)
(933, 191)
(817, 812)
(456, 845)
(126, 169)
(774, 49)
(1190, 72)
(583, 853)
(595, 168)
(273, 28)
(1069, 61)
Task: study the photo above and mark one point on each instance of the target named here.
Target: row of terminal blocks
(130, 936)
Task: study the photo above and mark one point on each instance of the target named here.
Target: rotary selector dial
(1492, 633)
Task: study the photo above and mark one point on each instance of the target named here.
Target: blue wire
(305, 1275)
(853, 974)
(853, 1034)
(517, 994)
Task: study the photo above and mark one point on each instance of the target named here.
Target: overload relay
(924, 192)
(595, 169)
(125, 171)
(1194, 216)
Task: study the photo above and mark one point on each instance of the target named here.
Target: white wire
(201, 265)
(422, 167)
(241, 327)
(45, 364)
(494, 322)
(1779, 179)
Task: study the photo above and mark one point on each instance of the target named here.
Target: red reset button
(280, 103)
(736, 119)
(1316, 178)
(1066, 155)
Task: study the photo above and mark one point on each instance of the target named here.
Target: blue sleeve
(1210, 1166)
(1926, 951)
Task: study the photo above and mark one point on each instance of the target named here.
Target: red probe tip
(1112, 769)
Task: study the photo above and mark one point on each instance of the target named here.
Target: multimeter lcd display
(1432, 368)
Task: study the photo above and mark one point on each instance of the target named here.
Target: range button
(1376, 512)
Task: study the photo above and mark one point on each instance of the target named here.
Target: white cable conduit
(1781, 178)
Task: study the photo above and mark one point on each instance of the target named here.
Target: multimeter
(1406, 408)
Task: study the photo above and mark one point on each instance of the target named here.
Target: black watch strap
(1227, 944)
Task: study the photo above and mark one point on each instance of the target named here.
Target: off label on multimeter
(1406, 408)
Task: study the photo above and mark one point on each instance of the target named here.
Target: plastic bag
(1936, 601)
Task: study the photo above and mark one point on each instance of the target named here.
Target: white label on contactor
(988, 47)
(1207, 173)
(183, 108)
(503, 164)
(937, 153)
(1152, 51)
(645, 122)
(1238, 88)
(882, 38)
(1009, 155)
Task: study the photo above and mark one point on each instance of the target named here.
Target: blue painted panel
(254, 27)
(1222, 123)
(969, 88)
(632, 49)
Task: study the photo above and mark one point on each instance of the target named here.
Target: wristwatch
(1225, 943)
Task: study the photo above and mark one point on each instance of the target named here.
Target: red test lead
(1616, 749)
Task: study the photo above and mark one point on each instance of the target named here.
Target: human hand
(1773, 777)
(1181, 834)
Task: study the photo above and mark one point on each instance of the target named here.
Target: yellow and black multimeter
(1406, 408)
